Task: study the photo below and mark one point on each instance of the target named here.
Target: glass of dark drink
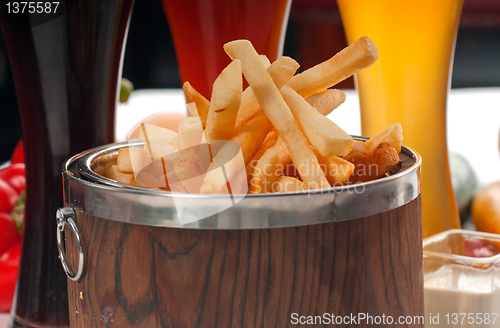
(66, 60)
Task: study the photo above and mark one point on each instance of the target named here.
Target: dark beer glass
(66, 62)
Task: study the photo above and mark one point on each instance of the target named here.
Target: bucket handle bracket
(65, 221)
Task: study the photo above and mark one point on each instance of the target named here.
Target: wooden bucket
(269, 261)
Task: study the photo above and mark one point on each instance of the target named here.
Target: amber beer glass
(409, 84)
(66, 61)
(201, 27)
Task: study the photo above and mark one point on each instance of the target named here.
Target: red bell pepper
(14, 175)
(9, 264)
(12, 186)
(18, 153)
(9, 233)
(8, 197)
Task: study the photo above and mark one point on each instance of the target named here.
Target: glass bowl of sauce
(462, 279)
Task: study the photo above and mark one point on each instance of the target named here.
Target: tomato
(9, 264)
(8, 197)
(18, 153)
(14, 176)
(9, 233)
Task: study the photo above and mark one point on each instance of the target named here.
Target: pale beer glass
(409, 84)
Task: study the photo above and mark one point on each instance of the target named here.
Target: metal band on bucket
(98, 196)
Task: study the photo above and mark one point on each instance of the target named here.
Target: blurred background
(314, 33)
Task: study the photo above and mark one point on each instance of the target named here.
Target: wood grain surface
(139, 276)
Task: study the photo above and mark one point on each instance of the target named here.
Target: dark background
(314, 33)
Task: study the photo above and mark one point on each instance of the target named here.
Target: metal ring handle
(64, 217)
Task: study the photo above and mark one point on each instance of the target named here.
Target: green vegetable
(18, 212)
(464, 180)
(126, 88)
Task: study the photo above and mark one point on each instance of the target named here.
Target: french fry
(123, 162)
(359, 146)
(269, 141)
(249, 138)
(224, 104)
(202, 104)
(114, 174)
(392, 134)
(239, 183)
(266, 144)
(249, 106)
(269, 168)
(134, 183)
(281, 70)
(190, 166)
(373, 165)
(337, 170)
(326, 101)
(265, 61)
(130, 160)
(155, 169)
(288, 184)
(324, 135)
(190, 132)
(100, 169)
(146, 179)
(192, 109)
(275, 134)
(157, 140)
(108, 166)
(357, 56)
(277, 111)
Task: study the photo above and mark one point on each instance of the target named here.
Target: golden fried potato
(157, 140)
(238, 185)
(281, 70)
(269, 168)
(201, 103)
(114, 174)
(277, 111)
(266, 144)
(250, 139)
(357, 56)
(130, 160)
(359, 146)
(288, 184)
(393, 135)
(324, 135)
(190, 133)
(224, 104)
(100, 169)
(337, 170)
(190, 167)
(326, 101)
(272, 137)
(371, 166)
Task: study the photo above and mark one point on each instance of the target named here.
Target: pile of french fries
(273, 136)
